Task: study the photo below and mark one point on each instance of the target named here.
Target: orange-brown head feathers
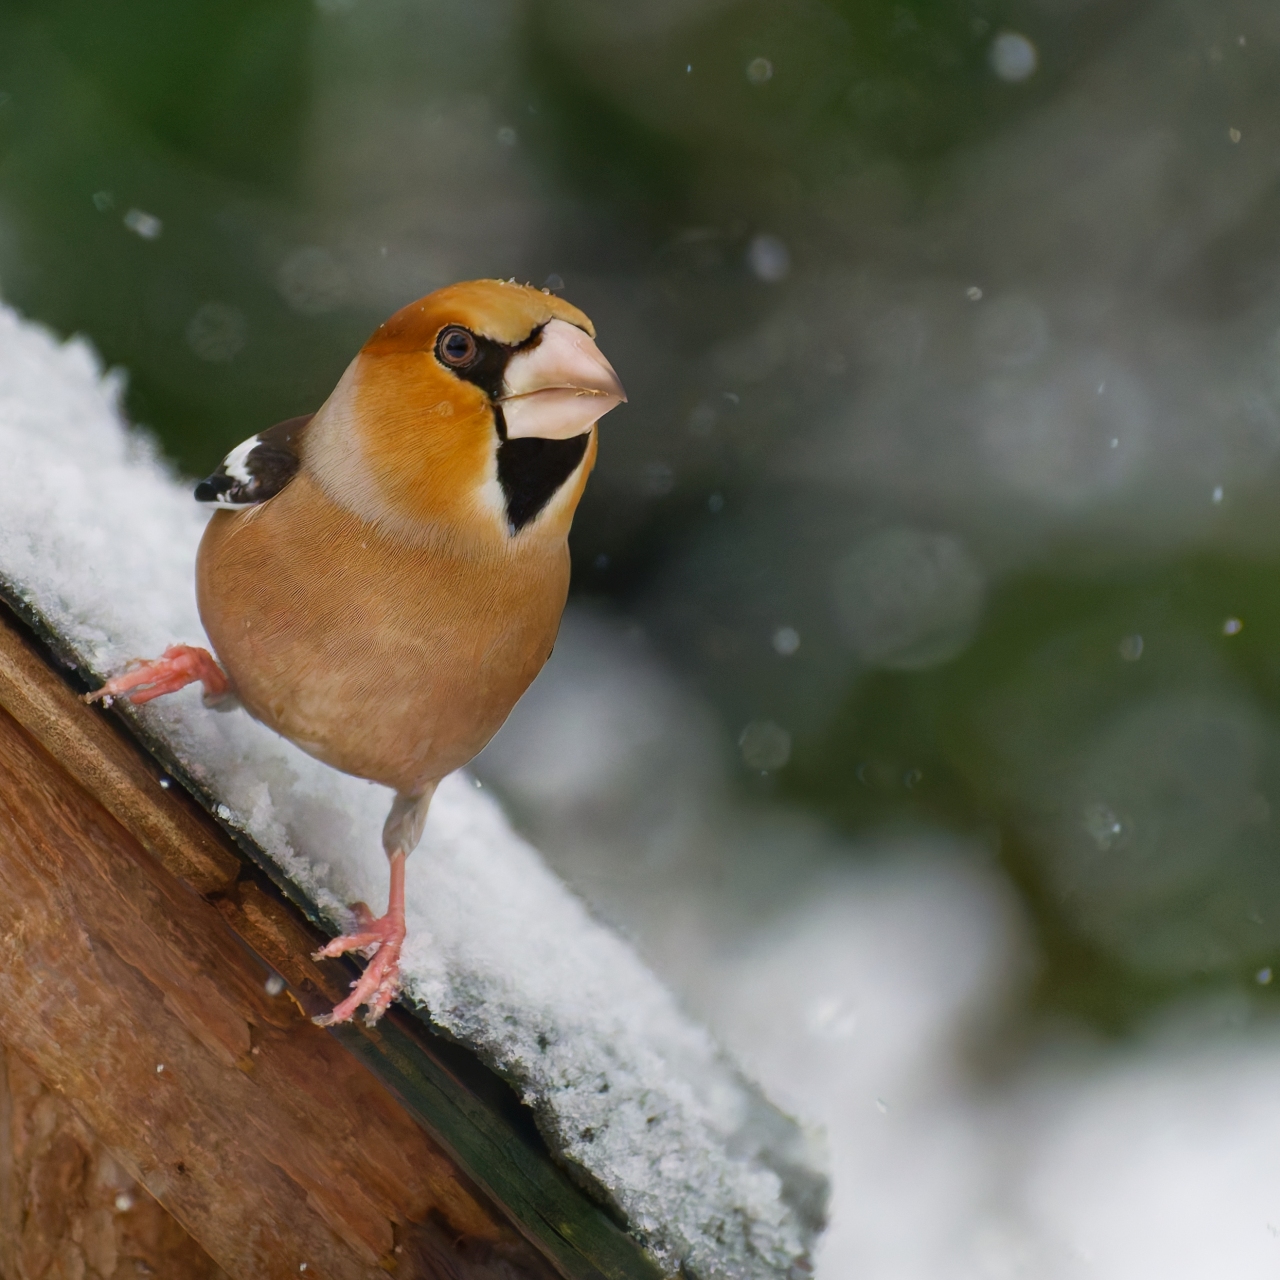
(500, 309)
(469, 415)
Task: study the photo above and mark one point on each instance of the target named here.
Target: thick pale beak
(560, 387)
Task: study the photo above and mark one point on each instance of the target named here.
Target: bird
(380, 581)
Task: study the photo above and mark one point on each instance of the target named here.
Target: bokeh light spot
(311, 281)
(143, 224)
(786, 641)
(908, 600)
(1131, 648)
(216, 332)
(764, 745)
(769, 259)
(1013, 57)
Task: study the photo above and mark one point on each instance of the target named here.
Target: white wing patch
(256, 469)
(236, 463)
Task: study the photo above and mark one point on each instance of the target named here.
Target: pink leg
(382, 938)
(182, 664)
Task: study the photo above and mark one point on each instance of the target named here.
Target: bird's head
(470, 413)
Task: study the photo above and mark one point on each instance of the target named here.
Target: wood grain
(68, 1209)
(126, 784)
(130, 995)
(424, 1088)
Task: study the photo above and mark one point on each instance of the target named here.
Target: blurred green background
(951, 331)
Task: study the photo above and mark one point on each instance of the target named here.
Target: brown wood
(428, 1089)
(262, 1136)
(68, 1209)
(93, 753)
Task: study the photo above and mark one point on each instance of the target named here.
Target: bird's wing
(257, 469)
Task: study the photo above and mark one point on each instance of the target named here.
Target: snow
(880, 989)
(1160, 1157)
(99, 539)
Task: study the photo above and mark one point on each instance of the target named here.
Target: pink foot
(381, 938)
(182, 664)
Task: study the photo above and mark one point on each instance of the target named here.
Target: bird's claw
(181, 665)
(379, 985)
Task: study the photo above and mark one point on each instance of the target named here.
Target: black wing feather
(257, 469)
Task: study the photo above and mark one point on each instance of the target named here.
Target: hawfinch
(381, 580)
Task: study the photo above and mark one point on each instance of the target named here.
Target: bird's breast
(387, 660)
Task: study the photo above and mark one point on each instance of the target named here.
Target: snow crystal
(99, 539)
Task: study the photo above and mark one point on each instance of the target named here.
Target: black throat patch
(531, 470)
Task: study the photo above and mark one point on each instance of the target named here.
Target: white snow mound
(99, 538)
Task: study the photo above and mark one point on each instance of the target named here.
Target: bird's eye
(456, 347)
